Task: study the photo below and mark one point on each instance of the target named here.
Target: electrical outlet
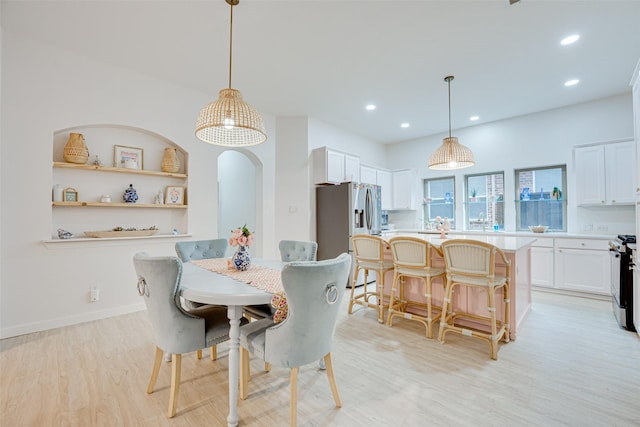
(602, 227)
(95, 293)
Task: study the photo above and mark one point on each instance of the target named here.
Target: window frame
(533, 199)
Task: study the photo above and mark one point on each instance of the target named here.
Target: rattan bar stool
(472, 263)
(369, 256)
(412, 258)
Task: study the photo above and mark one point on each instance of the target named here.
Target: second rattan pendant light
(451, 154)
(230, 121)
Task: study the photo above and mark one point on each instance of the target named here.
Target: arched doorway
(238, 195)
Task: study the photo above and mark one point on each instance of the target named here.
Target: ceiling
(328, 59)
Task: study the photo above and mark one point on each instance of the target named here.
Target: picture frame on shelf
(174, 195)
(69, 195)
(128, 157)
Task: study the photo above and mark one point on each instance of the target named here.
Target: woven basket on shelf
(170, 161)
(76, 150)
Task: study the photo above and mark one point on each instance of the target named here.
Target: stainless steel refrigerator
(342, 211)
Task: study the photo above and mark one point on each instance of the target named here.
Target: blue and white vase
(241, 259)
(130, 195)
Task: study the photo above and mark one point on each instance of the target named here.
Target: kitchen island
(517, 250)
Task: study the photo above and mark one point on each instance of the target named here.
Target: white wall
(44, 90)
(540, 139)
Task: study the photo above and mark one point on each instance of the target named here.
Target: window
(439, 201)
(484, 206)
(541, 198)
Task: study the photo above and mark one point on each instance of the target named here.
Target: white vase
(57, 193)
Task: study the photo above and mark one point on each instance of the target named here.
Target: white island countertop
(507, 243)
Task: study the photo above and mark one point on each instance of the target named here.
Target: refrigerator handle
(368, 206)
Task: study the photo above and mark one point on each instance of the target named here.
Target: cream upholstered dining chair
(290, 250)
(175, 330)
(314, 291)
(412, 258)
(369, 256)
(472, 263)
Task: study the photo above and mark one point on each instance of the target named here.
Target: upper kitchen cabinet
(385, 180)
(404, 189)
(635, 82)
(605, 174)
(334, 167)
(368, 175)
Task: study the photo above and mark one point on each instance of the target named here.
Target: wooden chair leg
(214, 352)
(353, 288)
(446, 302)
(394, 289)
(293, 399)
(156, 369)
(176, 363)
(427, 294)
(493, 342)
(507, 313)
(332, 380)
(245, 372)
(380, 286)
(199, 354)
(267, 367)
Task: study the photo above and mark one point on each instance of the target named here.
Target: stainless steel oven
(622, 280)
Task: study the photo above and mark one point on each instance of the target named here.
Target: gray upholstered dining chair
(290, 250)
(195, 250)
(175, 330)
(314, 291)
(200, 249)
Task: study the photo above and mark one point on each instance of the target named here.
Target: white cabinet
(542, 265)
(605, 174)
(385, 181)
(635, 82)
(404, 189)
(583, 265)
(334, 167)
(368, 175)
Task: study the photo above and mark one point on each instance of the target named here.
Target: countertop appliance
(622, 280)
(343, 211)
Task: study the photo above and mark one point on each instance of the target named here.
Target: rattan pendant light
(230, 121)
(451, 154)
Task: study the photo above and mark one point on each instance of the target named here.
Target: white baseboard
(29, 328)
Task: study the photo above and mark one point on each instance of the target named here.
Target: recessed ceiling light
(370, 107)
(571, 82)
(570, 39)
(474, 118)
(405, 125)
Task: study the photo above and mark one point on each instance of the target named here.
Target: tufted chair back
(297, 250)
(201, 249)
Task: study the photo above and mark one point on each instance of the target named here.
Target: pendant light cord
(448, 79)
(231, 42)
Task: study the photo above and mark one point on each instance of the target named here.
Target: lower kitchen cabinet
(583, 265)
(542, 265)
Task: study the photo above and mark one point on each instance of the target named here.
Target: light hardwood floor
(571, 366)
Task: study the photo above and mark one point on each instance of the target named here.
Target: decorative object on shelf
(556, 194)
(96, 161)
(64, 234)
(473, 195)
(230, 121)
(76, 151)
(175, 232)
(70, 195)
(174, 195)
(525, 194)
(243, 238)
(127, 157)
(105, 198)
(170, 160)
(123, 232)
(451, 154)
(57, 193)
(130, 195)
(538, 228)
(159, 198)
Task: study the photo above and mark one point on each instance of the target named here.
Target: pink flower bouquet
(241, 236)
